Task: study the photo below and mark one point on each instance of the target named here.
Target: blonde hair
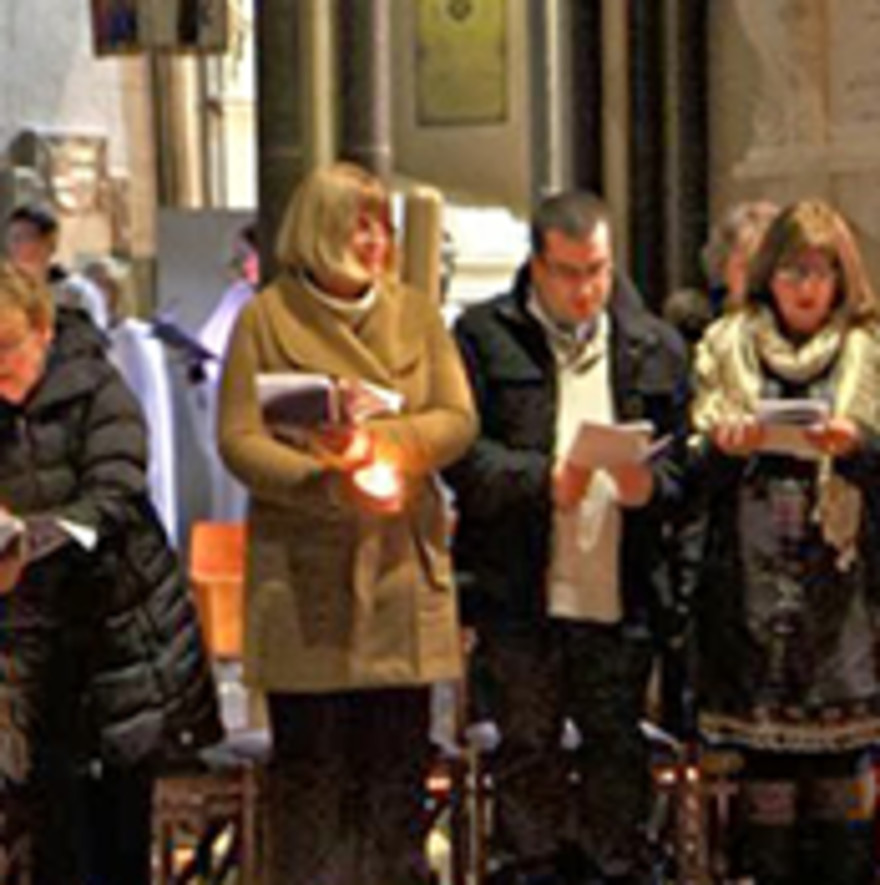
(814, 224)
(321, 217)
(19, 290)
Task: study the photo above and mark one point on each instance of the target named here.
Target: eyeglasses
(572, 274)
(800, 273)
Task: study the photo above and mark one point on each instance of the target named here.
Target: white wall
(50, 80)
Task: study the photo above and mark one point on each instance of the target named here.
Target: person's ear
(45, 331)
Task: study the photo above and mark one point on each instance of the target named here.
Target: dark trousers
(91, 829)
(806, 819)
(549, 801)
(346, 788)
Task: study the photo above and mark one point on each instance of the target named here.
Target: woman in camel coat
(351, 612)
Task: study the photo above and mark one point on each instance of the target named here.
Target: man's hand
(739, 438)
(635, 484)
(837, 436)
(570, 483)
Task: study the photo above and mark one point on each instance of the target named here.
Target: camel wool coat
(339, 597)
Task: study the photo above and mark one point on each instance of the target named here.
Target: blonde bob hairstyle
(322, 215)
(19, 290)
(814, 224)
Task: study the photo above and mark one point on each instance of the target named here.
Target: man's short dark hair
(42, 219)
(575, 214)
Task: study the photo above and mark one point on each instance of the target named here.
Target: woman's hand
(740, 438)
(344, 448)
(836, 437)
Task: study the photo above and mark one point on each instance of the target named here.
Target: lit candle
(381, 483)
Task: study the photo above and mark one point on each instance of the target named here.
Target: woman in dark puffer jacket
(102, 668)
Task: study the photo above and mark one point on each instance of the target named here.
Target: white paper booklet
(784, 422)
(611, 445)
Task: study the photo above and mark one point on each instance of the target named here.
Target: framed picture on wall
(461, 62)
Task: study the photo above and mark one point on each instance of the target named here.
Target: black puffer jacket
(103, 647)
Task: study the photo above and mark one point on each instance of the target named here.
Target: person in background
(104, 669)
(228, 496)
(351, 612)
(689, 311)
(787, 605)
(140, 358)
(732, 243)
(244, 270)
(32, 236)
(560, 567)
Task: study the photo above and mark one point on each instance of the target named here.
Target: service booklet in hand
(305, 399)
(298, 399)
(611, 445)
(784, 422)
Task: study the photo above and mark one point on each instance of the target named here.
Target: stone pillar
(281, 151)
(647, 178)
(320, 81)
(550, 69)
(614, 123)
(586, 94)
(687, 146)
(364, 66)
(177, 128)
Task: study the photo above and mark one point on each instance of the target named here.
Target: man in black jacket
(561, 564)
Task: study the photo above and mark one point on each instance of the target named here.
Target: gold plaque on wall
(461, 62)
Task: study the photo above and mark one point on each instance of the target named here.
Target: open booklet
(784, 422)
(43, 535)
(602, 445)
(306, 399)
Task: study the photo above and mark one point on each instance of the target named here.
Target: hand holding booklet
(784, 422)
(302, 400)
(601, 445)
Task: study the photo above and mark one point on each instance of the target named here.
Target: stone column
(614, 124)
(281, 151)
(647, 178)
(686, 141)
(364, 70)
(550, 69)
(586, 94)
(177, 127)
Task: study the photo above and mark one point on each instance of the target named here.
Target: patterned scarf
(729, 375)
